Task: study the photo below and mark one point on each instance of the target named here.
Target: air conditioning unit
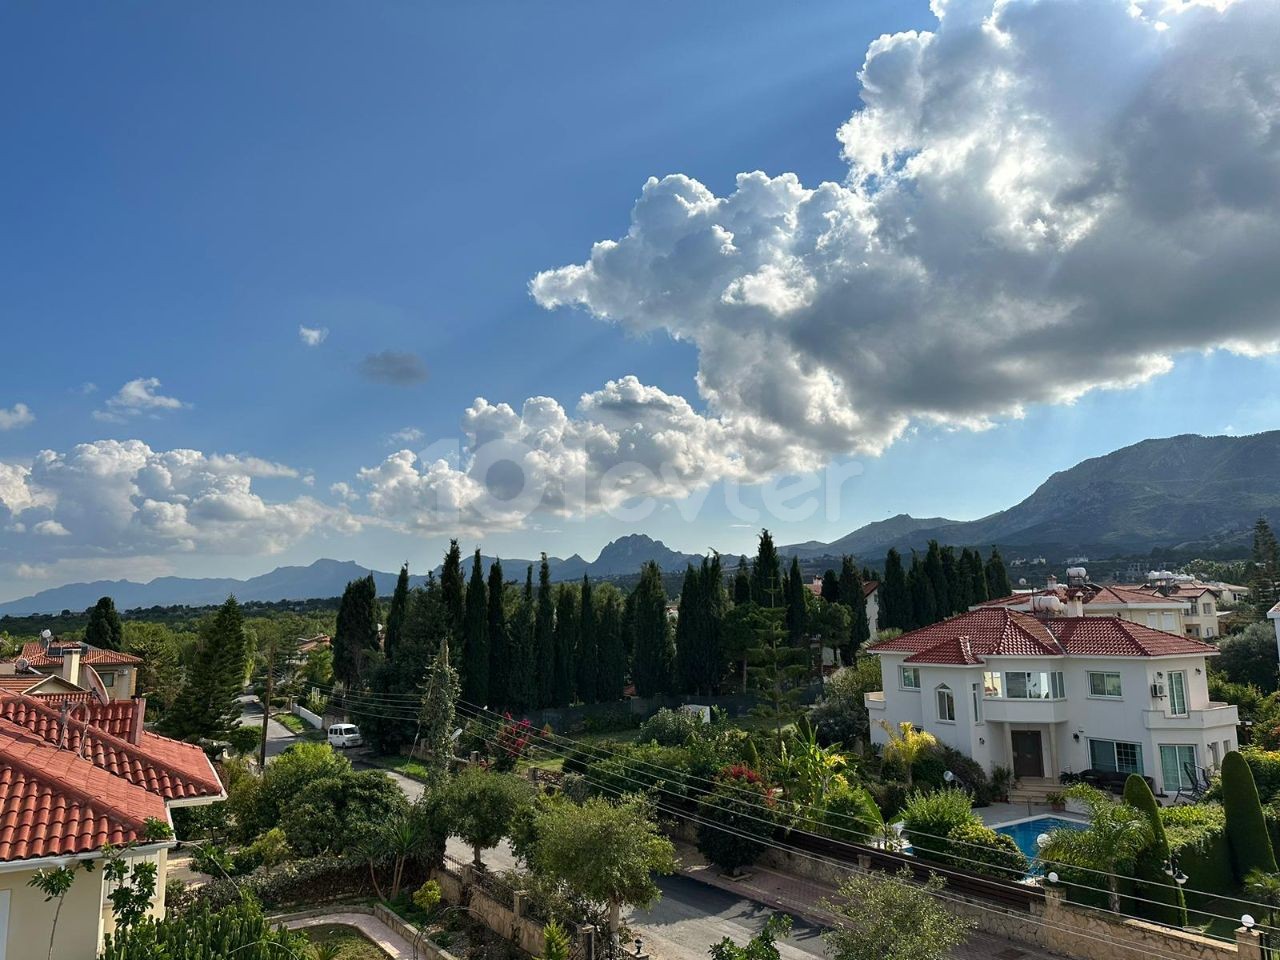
(1157, 689)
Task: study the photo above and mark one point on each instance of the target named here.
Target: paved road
(279, 737)
(411, 788)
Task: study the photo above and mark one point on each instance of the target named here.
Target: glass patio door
(1174, 758)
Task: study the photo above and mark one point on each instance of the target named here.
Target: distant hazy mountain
(326, 578)
(1181, 493)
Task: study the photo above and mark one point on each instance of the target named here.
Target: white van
(345, 735)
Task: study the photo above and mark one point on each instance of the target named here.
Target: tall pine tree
(501, 655)
(830, 587)
(355, 638)
(654, 652)
(454, 589)
(977, 579)
(854, 597)
(396, 613)
(689, 624)
(895, 602)
(936, 571)
(997, 577)
(475, 655)
(588, 657)
(544, 638)
(208, 706)
(522, 675)
(1264, 585)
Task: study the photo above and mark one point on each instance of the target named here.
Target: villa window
(1115, 755)
(1178, 693)
(1206, 609)
(1026, 685)
(946, 704)
(1104, 685)
(993, 685)
(108, 679)
(910, 678)
(977, 702)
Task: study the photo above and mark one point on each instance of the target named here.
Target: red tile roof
(1118, 594)
(54, 803)
(999, 632)
(1274, 611)
(1114, 637)
(170, 769)
(35, 654)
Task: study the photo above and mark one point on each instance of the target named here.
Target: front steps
(1033, 790)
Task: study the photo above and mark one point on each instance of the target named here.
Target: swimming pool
(1025, 832)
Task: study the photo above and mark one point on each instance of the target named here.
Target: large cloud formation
(628, 441)
(120, 498)
(1043, 198)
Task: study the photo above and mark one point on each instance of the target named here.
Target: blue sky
(183, 187)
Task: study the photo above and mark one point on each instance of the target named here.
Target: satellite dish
(46, 635)
(22, 665)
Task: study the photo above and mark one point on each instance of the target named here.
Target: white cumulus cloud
(312, 336)
(139, 396)
(123, 499)
(19, 415)
(1043, 198)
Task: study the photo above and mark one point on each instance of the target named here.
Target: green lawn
(351, 943)
(408, 766)
(293, 723)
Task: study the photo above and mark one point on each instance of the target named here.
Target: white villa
(1044, 694)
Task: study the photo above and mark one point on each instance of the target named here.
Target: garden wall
(314, 719)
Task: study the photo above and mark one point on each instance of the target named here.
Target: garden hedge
(1158, 897)
(1197, 836)
(1246, 826)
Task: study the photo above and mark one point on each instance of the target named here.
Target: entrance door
(1028, 759)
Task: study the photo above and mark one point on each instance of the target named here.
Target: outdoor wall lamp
(1247, 922)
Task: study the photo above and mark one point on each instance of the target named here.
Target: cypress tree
(711, 662)
(978, 579)
(544, 638)
(475, 655)
(454, 589)
(848, 577)
(588, 664)
(766, 574)
(688, 628)
(940, 588)
(654, 651)
(396, 613)
(997, 577)
(830, 587)
(1246, 825)
(612, 675)
(437, 712)
(1152, 883)
(104, 629)
(855, 598)
(208, 706)
(566, 645)
(964, 582)
(356, 636)
(501, 654)
(796, 609)
(920, 589)
(895, 604)
(742, 583)
(522, 675)
(951, 572)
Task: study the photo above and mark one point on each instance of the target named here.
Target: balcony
(1015, 710)
(1213, 715)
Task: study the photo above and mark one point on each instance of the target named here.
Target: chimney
(139, 714)
(70, 669)
(1075, 605)
(1051, 582)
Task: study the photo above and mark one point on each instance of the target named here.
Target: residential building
(1274, 616)
(1079, 597)
(75, 776)
(870, 594)
(1043, 695)
(112, 674)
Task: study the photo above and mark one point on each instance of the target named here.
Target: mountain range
(1185, 493)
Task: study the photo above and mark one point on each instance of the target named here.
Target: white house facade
(1044, 696)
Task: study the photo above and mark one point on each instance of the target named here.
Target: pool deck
(998, 814)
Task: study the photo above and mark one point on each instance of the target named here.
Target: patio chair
(1199, 778)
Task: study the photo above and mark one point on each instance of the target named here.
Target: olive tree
(892, 918)
(481, 807)
(606, 852)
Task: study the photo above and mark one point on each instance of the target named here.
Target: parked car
(345, 735)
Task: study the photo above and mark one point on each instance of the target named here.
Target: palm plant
(1117, 835)
(906, 745)
(1265, 888)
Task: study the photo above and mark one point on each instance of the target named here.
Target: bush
(238, 929)
(427, 897)
(1246, 826)
(313, 880)
(850, 814)
(1265, 767)
(929, 818)
(737, 820)
(890, 796)
(1197, 836)
(969, 772)
(672, 728)
(976, 847)
(1160, 899)
(245, 740)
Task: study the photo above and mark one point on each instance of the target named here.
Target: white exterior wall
(1274, 614)
(1066, 725)
(873, 612)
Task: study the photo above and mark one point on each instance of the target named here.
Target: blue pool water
(1025, 833)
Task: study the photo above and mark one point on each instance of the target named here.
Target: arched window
(946, 703)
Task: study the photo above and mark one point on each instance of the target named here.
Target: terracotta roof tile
(971, 637)
(54, 803)
(170, 769)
